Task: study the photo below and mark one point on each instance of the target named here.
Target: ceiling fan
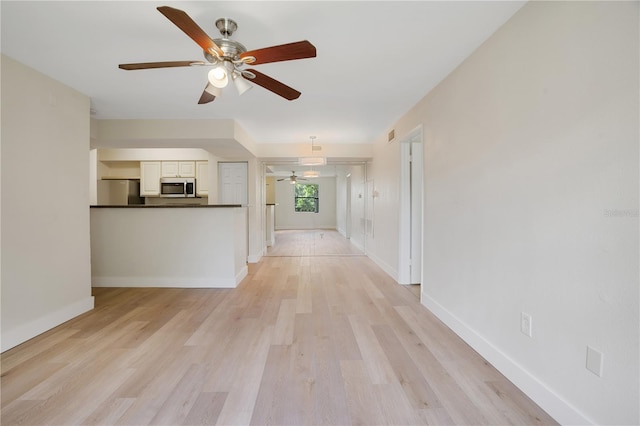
(228, 58)
(293, 178)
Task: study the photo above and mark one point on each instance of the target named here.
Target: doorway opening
(336, 225)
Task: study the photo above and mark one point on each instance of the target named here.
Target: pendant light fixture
(313, 161)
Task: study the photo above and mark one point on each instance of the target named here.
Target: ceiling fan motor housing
(231, 48)
(226, 26)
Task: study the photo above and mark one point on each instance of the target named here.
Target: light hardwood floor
(317, 242)
(302, 340)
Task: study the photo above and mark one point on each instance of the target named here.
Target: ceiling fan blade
(275, 86)
(206, 97)
(190, 28)
(147, 65)
(284, 52)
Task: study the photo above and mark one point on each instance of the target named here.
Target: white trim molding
(542, 395)
(24, 332)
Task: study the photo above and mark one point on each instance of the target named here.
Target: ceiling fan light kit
(240, 83)
(229, 57)
(213, 90)
(218, 77)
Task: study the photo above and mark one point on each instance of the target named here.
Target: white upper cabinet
(202, 178)
(150, 178)
(169, 169)
(187, 168)
(178, 169)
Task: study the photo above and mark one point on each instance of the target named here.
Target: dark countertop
(168, 206)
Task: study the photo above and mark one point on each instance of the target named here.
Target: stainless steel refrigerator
(119, 192)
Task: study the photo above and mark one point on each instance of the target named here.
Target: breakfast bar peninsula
(168, 245)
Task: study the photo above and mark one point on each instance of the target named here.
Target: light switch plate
(526, 324)
(594, 361)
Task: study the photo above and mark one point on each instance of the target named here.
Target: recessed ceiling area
(374, 61)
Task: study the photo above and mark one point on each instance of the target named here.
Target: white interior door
(233, 178)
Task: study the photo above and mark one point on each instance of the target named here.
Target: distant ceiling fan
(293, 178)
(228, 58)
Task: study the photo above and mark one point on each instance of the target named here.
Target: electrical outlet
(526, 324)
(594, 361)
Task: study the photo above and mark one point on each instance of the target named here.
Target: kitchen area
(165, 182)
(154, 222)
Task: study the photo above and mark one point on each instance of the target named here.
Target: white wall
(151, 154)
(288, 218)
(358, 177)
(350, 202)
(93, 176)
(384, 199)
(270, 189)
(255, 210)
(531, 184)
(213, 178)
(46, 276)
(341, 201)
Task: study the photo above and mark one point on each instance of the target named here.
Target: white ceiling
(375, 59)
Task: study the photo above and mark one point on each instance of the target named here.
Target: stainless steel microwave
(178, 187)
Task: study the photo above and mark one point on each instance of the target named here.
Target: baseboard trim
(165, 282)
(393, 273)
(254, 258)
(357, 244)
(547, 399)
(241, 275)
(24, 332)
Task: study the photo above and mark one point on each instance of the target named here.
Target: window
(306, 197)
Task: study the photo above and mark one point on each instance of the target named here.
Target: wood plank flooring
(317, 242)
(306, 340)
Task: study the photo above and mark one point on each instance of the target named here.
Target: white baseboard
(242, 274)
(254, 258)
(392, 272)
(165, 282)
(546, 398)
(24, 332)
(357, 244)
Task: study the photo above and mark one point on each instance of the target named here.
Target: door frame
(411, 213)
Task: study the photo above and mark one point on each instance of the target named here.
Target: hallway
(305, 339)
(315, 242)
